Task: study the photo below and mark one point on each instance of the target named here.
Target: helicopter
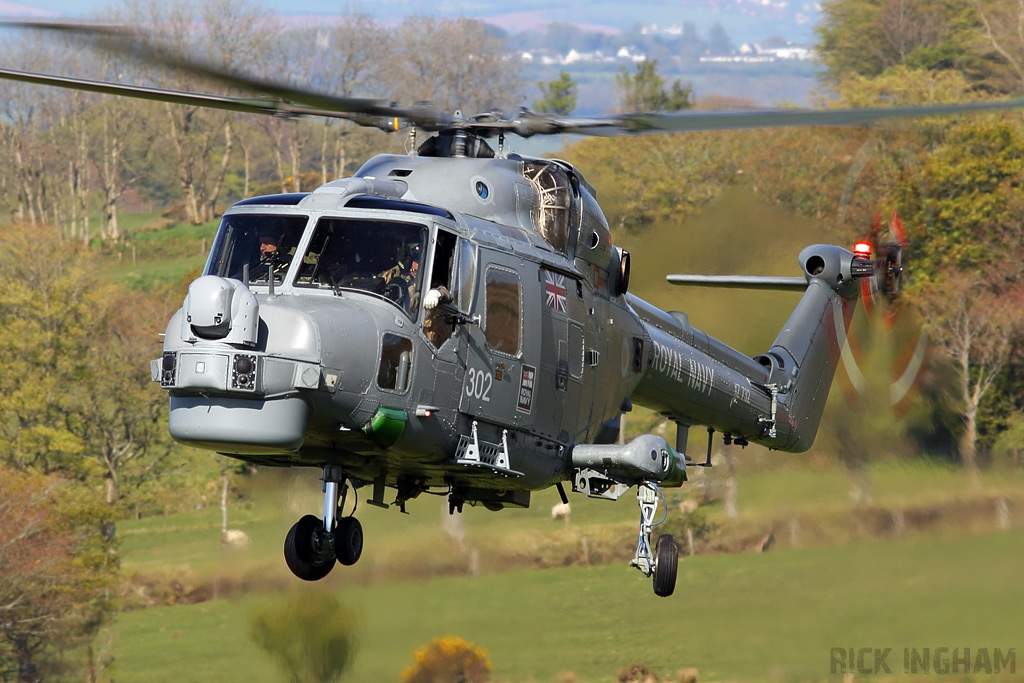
(457, 320)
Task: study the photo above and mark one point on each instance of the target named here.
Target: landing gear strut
(312, 545)
(663, 563)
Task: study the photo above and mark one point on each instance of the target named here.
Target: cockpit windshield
(377, 256)
(264, 243)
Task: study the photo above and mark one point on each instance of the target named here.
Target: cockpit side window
(376, 256)
(263, 243)
(395, 367)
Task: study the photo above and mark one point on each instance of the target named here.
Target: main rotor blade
(263, 106)
(287, 100)
(121, 40)
(694, 121)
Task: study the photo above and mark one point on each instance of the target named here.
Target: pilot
(270, 252)
(401, 280)
(268, 246)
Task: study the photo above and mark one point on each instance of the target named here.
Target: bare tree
(906, 25)
(454, 64)
(229, 34)
(123, 139)
(975, 322)
(27, 112)
(341, 58)
(1002, 27)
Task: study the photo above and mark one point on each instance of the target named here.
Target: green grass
(744, 617)
(752, 616)
(766, 499)
(162, 254)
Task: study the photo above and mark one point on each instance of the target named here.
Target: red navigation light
(862, 249)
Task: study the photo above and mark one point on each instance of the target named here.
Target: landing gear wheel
(666, 563)
(299, 553)
(348, 540)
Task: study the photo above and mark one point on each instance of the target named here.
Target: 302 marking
(478, 385)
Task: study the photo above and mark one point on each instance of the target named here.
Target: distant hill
(744, 20)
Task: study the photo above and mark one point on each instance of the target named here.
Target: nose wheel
(306, 549)
(313, 544)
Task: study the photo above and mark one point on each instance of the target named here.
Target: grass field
(743, 617)
(770, 617)
(157, 254)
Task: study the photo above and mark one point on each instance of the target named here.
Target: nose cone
(240, 426)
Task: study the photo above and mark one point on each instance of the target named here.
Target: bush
(697, 521)
(637, 673)
(448, 660)
(311, 635)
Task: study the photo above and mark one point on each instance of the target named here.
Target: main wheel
(348, 540)
(299, 554)
(666, 563)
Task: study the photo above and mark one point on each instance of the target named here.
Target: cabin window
(395, 363)
(375, 256)
(255, 245)
(503, 307)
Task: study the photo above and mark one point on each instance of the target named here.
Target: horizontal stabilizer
(798, 284)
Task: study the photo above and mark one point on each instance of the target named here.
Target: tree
(310, 634)
(1002, 25)
(644, 90)
(976, 323)
(123, 422)
(719, 42)
(559, 96)
(75, 391)
(57, 573)
(27, 112)
(982, 39)
(452, 63)
(230, 34)
(1010, 442)
(123, 139)
(342, 58)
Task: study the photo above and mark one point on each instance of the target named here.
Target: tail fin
(802, 362)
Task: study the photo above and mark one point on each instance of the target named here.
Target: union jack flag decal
(554, 290)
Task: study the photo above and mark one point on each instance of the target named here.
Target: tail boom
(775, 399)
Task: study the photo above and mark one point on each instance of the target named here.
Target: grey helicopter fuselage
(317, 358)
